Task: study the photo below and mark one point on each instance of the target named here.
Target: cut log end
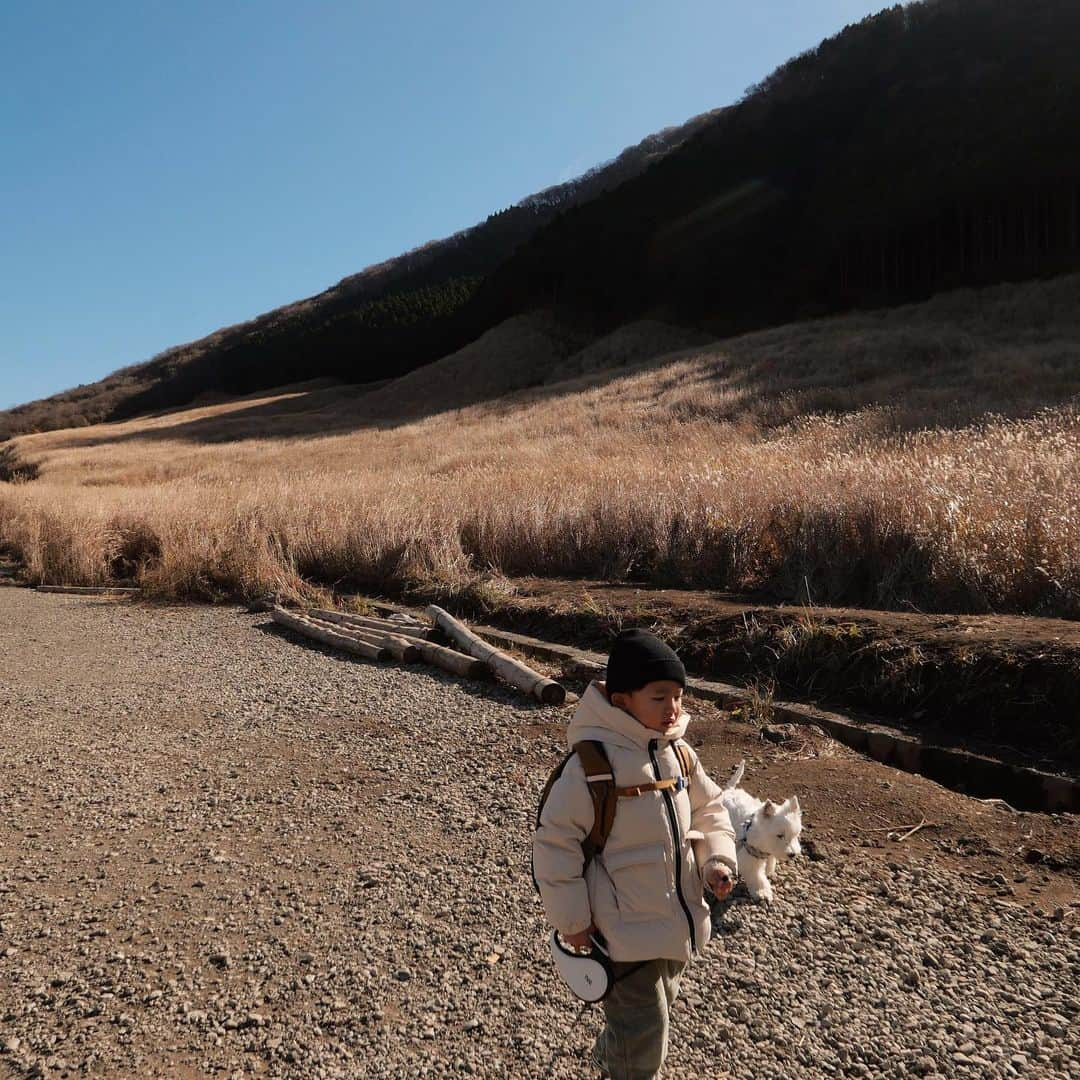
(551, 693)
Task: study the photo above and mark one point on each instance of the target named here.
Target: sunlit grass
(931, 458)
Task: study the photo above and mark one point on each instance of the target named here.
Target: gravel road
(225, 852)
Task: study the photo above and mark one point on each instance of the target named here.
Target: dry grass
(928, 455)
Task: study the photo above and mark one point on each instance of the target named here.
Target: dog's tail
(736, 776)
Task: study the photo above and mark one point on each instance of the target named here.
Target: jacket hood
(596, 718)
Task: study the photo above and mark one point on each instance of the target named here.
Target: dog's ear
(794, 804)
(768, 810)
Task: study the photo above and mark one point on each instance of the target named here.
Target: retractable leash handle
(589, 975)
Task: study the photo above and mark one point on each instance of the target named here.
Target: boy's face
(657, 705)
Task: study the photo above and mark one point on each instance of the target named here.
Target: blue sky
(169, 168)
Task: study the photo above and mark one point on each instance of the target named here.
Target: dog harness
(744, 841)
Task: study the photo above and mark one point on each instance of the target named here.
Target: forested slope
(929, 146)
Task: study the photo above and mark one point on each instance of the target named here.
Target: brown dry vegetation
(928, 454)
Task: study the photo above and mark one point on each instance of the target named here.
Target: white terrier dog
(764, 834)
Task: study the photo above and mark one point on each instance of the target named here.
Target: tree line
(929, 146)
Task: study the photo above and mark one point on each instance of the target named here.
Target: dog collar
(743, 842)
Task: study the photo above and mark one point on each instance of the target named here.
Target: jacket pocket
(641, 880)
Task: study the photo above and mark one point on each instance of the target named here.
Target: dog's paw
(762, 896)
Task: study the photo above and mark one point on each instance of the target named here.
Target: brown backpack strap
(641, 789)
(686, 768)
(686, 760)
(601, 781)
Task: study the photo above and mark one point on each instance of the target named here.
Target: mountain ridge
(923, 149)
(109, 398)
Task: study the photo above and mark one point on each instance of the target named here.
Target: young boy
(645, 891)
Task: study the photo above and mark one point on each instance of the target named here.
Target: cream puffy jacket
(645, 890)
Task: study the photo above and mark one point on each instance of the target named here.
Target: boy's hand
(720, 881)
(580, 940)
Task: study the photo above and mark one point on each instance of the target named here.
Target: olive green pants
(633, 1044)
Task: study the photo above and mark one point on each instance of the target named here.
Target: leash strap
(626, 974)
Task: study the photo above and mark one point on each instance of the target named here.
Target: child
(645, 891)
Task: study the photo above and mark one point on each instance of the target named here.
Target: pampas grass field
(926, 456)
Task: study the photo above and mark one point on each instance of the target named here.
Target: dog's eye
(779, 836)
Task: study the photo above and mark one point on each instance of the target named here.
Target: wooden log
(468, 667)
(308, 628)
(343, 618)
(402, 618)
(513, 671)
(89, 590)
(419, 630)
(403, 649)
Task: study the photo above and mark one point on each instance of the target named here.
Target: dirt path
(227, 853)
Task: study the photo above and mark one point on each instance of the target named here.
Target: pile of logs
(403, 638)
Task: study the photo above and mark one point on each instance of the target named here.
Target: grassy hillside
(379, 323)
(925, 455)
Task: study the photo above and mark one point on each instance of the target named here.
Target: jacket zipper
(676, 837)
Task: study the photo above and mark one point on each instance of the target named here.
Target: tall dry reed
(868, 463)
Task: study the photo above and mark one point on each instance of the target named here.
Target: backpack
(605, 795)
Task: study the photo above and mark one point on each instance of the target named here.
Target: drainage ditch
(978, 775)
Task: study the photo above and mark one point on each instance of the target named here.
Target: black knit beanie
(638, 658)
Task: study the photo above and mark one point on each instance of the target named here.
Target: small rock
(776, 733)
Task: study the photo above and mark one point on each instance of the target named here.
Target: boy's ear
(618, 699)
